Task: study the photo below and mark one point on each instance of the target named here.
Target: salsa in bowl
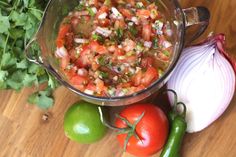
(113, 52)
(114, 48)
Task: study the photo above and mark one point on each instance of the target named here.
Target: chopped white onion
(103, 31)
(81, 41)
(116, 13)
(87, 91)
(204, 80)
(166, 44)
(158, 25)
(82, 72)
(135, 20)
(94, 9)
(61, 52)
(147, 44)
(102, 16)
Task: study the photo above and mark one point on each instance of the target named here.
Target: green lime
(82, 123)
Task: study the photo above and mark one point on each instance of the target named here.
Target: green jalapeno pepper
(177, 132)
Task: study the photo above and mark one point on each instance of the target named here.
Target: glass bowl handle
(37, 60)
(196, 16)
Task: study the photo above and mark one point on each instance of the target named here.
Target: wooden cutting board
(23, 133)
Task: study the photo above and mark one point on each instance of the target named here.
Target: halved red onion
(204, 80)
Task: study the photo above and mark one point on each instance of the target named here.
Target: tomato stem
(129, 130)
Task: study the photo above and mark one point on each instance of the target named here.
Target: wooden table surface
(23, 133)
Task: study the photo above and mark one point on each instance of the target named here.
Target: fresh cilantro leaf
(33, 98)
(16, 33)
(15, 81)
(3, 75)
(52, 82)
(43, 99)
(7, 60)
(37, 13)
(29, 80)
(91, 12)
(4, 24)
(45, 102)
(23, 64)
(18, 18)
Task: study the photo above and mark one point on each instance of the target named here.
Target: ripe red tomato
(152, 129)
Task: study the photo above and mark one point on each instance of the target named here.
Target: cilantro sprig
(19, 20)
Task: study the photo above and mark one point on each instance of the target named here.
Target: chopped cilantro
(119, 34)
(103, 75)
(99, 38)
(139, 5)
(133, 30)
(155, 43)
(166, 53)
(80, 7)
(91, 12)
(102, 60)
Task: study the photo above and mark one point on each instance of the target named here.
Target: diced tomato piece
(91, 86)
(63, 30)
(65, 62)
(131, 59)
(78, 80)
(147, 62)
(129, 45)
(132, 2)
(124, 85)
(150, 75)
(146, 32)
(103, 9)
(96, 47)
(99, 85)
(95, 66)
(136, 79)
(152, 6)
(143, 13)
(120, 24)
(69, 40)
(104, 22)
(139, 88)
(126, 13)
(112, 48)
(71, 72)
(85, 57)
(60, 42)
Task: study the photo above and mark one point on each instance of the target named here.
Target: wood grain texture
(23, 133)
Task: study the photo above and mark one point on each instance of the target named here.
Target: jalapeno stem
(178, 128)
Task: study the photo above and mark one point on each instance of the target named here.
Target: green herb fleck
(139, 5)
(119, 34)
(155, 43)
(166, 53)
(133, 30)
(103, 75)
(80, 7)
(91, 12)
(102, 60)
(99, 38)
